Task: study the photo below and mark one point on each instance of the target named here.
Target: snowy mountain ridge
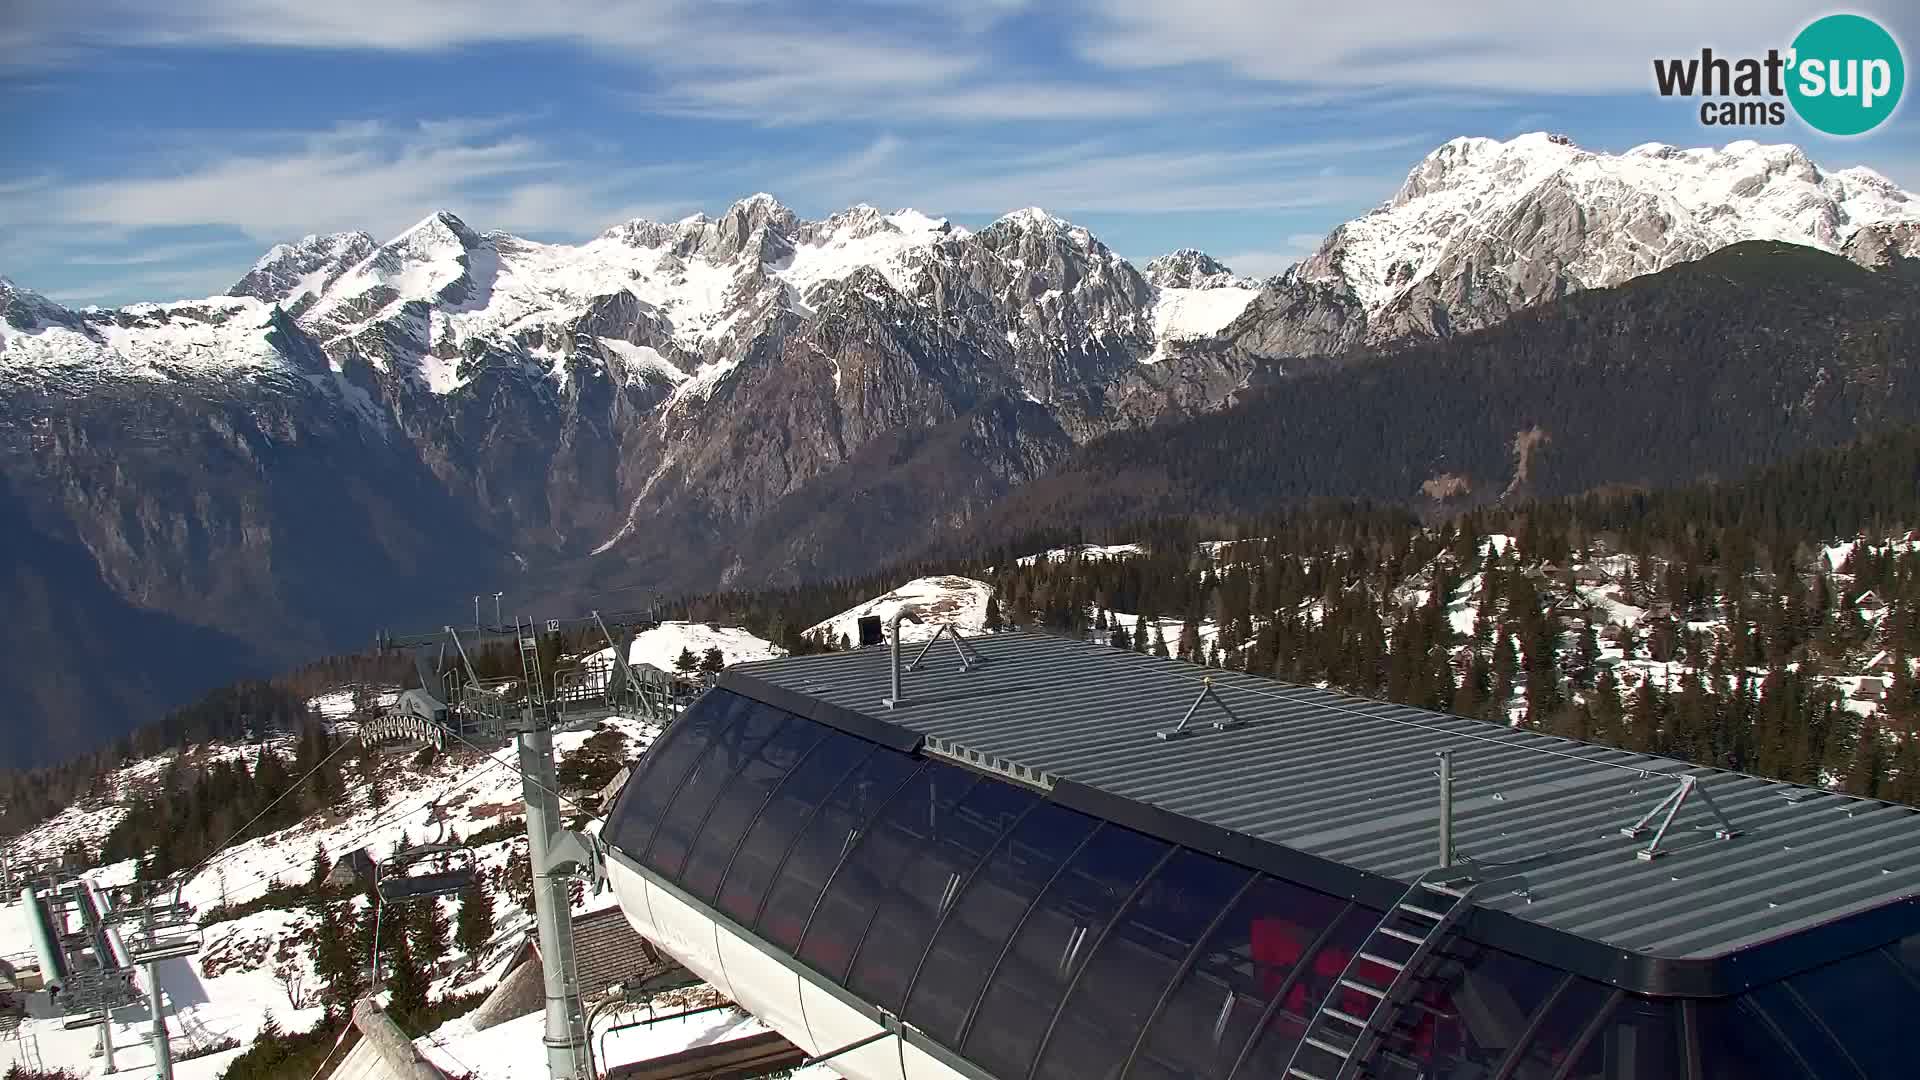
(426, 300)
(1482, 228)
(697, 404)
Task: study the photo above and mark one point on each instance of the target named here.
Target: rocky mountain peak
(26, 310)
(1482, 228)
(435, 233)
(1190, 268)
(1032, 219)
(288, 272)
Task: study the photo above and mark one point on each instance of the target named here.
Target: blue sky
(154, 154)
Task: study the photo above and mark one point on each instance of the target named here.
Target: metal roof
(1352, 780)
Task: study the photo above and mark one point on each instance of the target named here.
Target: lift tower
(530, 709)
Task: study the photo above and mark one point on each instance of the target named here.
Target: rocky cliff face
(1481, 229)
(363, 432)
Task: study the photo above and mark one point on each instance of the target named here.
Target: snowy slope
(1640, 211)
(661, 646)
(959, 601)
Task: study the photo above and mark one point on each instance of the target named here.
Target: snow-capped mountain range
(358, 430)
(686, 296)
(1482, 228)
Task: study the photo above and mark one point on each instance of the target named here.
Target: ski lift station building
(1003, 867)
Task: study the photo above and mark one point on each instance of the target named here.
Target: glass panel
(903, 828)
(792, 804)
(740, 804)
(1736, 1044)
(1211, 1014)
(1906, 953)
(1640, 1042)
(1130, 969)
(989, 908)
(1813, 1044)
(1465, 1019)
(1052, 945)
(1283, 942)
(729, 751)
(931, 881)
(1561, 1028)
(1866, 1002)
(826, 839)
(647, 793)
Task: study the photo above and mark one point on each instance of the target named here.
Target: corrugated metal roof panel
(1352, 780)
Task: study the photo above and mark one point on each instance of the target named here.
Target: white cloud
(1518, 46)
(1265, 264)
(353, 176)
(1094, 177)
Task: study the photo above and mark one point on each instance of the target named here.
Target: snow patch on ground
(940, 601)
(661, 645)
(1181, 314)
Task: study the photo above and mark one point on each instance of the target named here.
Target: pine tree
(335, 961)
(992, 619)
(685, 662)
(321, 867)
(1190, 640)
(1506, 663)
(428, 926)
(473, 925)
(1160, 641)
(406, 978)
(1586, 657)
(1866, 770)
(1141, 642)
(713, 662)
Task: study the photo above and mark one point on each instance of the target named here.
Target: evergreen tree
(335, 962)
(1586, 657)
(428, 926)
(713, 662)
(1866, 770)
(407, 980)
(685, 662)
(1141, 643)
(1160, 641)
(992, 620)
(473, 925)
(1506, 664)
(1190, 640)
(321, 867)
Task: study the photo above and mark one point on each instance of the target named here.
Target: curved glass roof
(1032, 939)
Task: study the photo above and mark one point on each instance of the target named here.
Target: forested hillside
(1703, 371)
(1711, 622)
(1738, 624)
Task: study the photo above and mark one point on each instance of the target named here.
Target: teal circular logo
(1847, 74)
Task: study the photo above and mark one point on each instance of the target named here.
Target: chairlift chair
(405, 876)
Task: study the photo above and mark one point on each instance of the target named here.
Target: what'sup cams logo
(1842, 75)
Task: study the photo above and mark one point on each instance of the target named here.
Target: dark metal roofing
(1352, 780)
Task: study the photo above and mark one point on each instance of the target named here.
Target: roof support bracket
(968, 658)
(1207, 691)
(1688, 785)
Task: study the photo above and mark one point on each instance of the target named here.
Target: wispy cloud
(1516, 46)
(1266, 263)
(353, 176)
(1101, 178)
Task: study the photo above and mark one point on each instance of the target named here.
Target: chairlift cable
(381, 821)
(223, 846)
